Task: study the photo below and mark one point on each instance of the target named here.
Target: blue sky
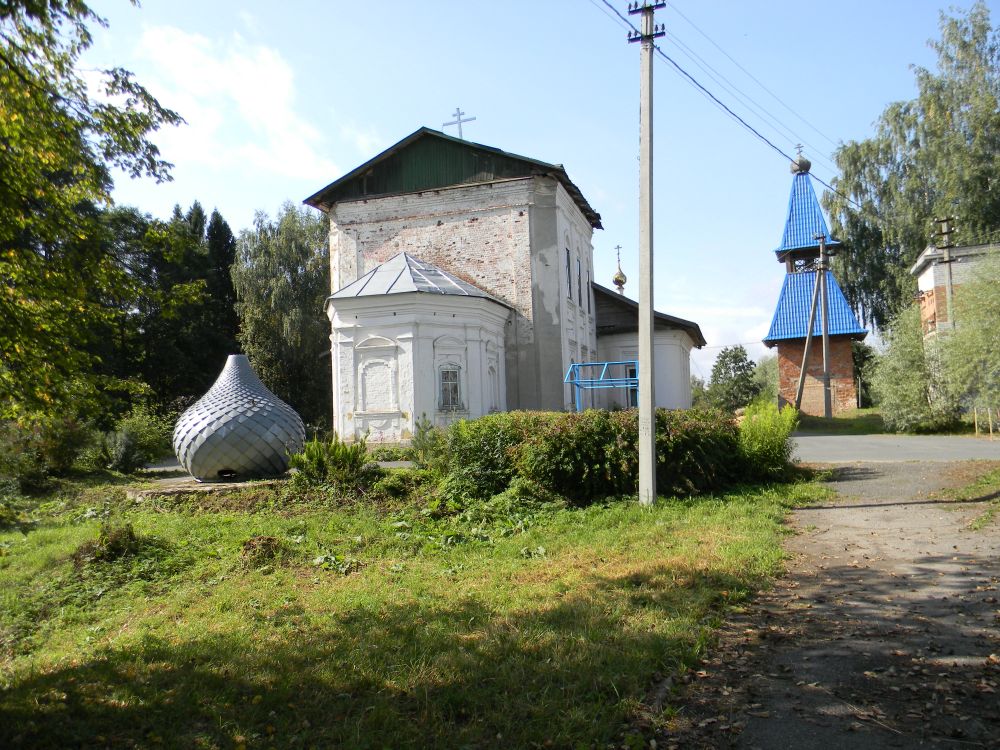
(282, 98)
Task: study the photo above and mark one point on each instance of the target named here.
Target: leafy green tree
(936, 155)
(58, 144)
(699, 393)
(732, 385)
(909, 382)
(282, 279)
(971, 352)
(765, 376)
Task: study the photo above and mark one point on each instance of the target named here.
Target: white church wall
(672, 367)
(389, 353)
(576, 257)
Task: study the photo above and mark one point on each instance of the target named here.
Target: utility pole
(827, 402)
(946, 245)
(647, 394)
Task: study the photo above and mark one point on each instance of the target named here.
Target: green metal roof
(428, 159)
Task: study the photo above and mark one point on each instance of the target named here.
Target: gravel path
(885, 633)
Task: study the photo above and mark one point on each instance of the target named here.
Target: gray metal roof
(403, 273)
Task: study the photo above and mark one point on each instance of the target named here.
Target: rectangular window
(633, 393)
(579, 283)
(569, 275)
(450, 393)
(588, 293)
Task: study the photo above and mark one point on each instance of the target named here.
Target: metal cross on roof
(458, 121)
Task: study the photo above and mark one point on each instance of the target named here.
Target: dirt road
(884, 633)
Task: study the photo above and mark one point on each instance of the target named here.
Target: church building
(462, 284)
(799, 251)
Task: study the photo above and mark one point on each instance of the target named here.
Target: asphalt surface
(893, 448)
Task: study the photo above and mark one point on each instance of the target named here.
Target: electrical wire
(753, 78)
(748, 101)
(722, 105)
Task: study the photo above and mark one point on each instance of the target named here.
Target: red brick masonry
(843, 388)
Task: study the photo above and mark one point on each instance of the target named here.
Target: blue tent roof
(792, 313)
(805, 218)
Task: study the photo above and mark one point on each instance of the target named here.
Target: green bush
(404, 484)
(33, 452)
(696, 451)
(482, 458)
(120, 450)
(765, 439)
(391, 453)
(583, 456)
(586, 456)
(114, 541)
(430, 446)
(333, 462)
(152, 431)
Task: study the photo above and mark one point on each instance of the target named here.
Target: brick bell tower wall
(843, 387)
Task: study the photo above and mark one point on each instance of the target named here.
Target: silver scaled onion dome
(238, 429)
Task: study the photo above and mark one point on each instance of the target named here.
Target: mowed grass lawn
(362, 624)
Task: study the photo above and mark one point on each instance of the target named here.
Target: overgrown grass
(985, 489)
(856, 422)
(517, 622)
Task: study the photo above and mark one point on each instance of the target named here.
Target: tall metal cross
(458, 121)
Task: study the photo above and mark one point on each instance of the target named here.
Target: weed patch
(518, 620)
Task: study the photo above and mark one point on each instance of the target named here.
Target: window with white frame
(450, 390)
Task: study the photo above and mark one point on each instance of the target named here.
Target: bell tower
(811, 293)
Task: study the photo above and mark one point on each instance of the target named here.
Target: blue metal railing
(608, 375)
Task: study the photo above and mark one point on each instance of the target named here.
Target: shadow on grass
(421, 673)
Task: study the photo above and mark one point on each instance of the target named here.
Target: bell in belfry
(238, 429)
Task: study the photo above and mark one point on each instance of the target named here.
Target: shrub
(332, 462)
(764, 439)
(391, 453)
(430, 446)
(589, 455)
(583, 456)
(120, 451)
(114, 541)
(404, 484)
(32, 452)
(696, 451)
(152, 431)
(481, 452)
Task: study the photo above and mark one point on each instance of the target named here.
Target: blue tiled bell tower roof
(792, 314)
(805, 217)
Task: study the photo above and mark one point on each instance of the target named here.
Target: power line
(754, 78)
(718, 102)
(752, 104)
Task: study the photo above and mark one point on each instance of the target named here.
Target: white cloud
(365, 140)
(239, 103)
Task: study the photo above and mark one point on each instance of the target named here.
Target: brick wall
(503, 237)
(842, 383)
